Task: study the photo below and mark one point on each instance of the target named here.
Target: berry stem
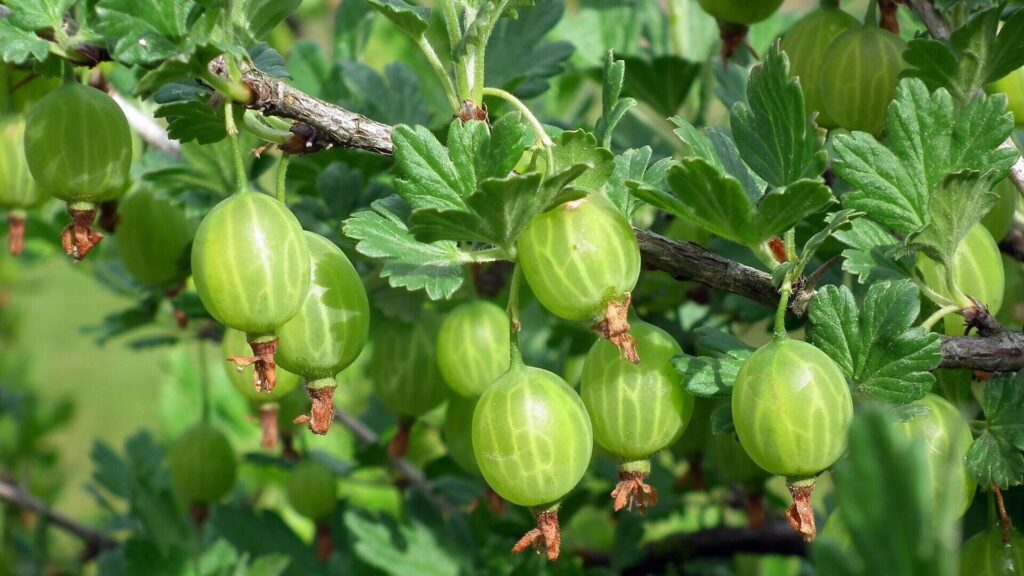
(1005, 524)
(938, 315)
(541, 139)
(513, 305)
(241, 179)
(282, 177)
(16, 234)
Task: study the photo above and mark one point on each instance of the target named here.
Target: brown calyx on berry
(399, 445)
(321, 413)
(733, 36)
(615, 328)
(887, 19)
(268, 424)
(633, 491)
(801, 514)
(544, 538)
(16, 233)
(264, 374)
(323, 545)
(78, 238)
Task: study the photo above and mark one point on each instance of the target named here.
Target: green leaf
(407, 17)
(144, 31)
(662, 82)
(33, 15)
(976, 54)
(632, 166)
(399, 548)
(183, 65)
(712, 375)
(268, 60)
(408, 263)
(703, 195)
(836, 222)
(927, 140)
(17, 45)
(580, 147)
(956, 206)
(613, 108)
(895, 528)
(519, 59)
(262, 16)
(783, 208)
(877, 347)
(434, 177)
(773, 132)
(871, 253)
(718, 149)
(194, 120)
(996, 455)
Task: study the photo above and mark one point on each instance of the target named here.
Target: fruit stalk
(16, 234)
(321, 414)
(324, 544)
(78, 238)
(399, 445)
(545, 537)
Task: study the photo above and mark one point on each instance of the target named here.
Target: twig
(95, 540)
(1013, 244)
(410, 472)
(1002, 352)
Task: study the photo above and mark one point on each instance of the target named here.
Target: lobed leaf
(773, 133)
(995, 456)
(876, 346)
(435, 267)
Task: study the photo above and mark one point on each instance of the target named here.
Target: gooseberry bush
(679, 287)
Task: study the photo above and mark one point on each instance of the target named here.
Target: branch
(408, 471)
(1000, 352)
(95, 541)
(1013, 244)
(334, 125)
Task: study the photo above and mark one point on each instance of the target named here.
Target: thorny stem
(542, 140)
(241, 185)
(938, 315)
(439, 70)
(282, 177)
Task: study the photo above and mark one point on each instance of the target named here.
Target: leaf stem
(541, 137)
(938, 315)
(439, 70)
(241, 180)
(486, 255)
(871, 17)
(255, 126)
(282, 177)
(236, 91)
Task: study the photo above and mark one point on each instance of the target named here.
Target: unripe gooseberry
(202, 465)
(473, 346)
